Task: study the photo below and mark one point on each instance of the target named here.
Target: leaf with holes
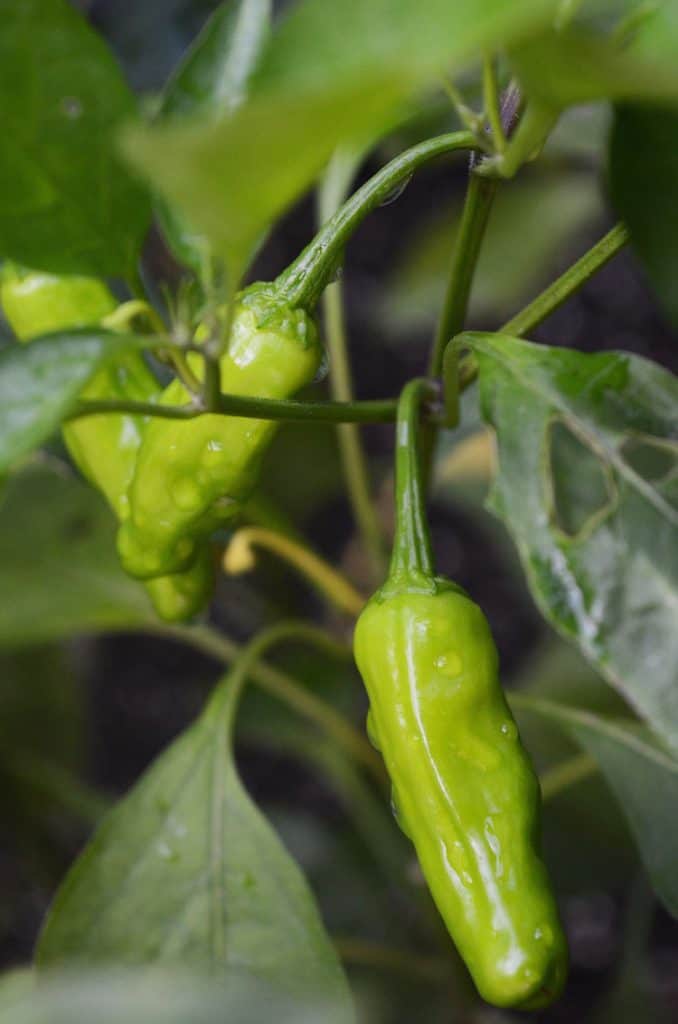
(67, 204)
(588, 486)
(186, 872)
(642, 775)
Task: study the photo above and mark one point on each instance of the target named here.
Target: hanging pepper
(103, 447)
(464, 789)
(192, 476)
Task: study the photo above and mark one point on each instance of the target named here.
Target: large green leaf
(186, 871)
(332, 73)
(213, 78)
(40, 384)
(643, 149)
(60, 571)
(576, 66)
(643, 777)
(67, 204)
(588, 486)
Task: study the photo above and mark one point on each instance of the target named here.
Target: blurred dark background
(123, 699)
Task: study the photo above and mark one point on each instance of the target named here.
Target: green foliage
(641, 774)
(608, 584)
(60, 574)
(40, 384)
(213, 79)
(67, 204)
(643, 148)
(188, 854)
(185, 879)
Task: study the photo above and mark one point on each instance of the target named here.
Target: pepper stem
(412, 558)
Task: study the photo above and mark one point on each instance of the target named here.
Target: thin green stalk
(304, 280)
(286, 689)
(211, 385)
(412, 557)
(281, 632)
(350, 446)
(477, 206)
(555, 295)
(492, 103)
(61, 785)
(568, 283)
(559, 778)
(380, 411)
(371, 954)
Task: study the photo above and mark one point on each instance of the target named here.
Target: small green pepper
(464, 788)
(103, 447)
(193, 476)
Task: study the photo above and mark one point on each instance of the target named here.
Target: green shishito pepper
(104, 447)
(192, 476)
(464, 788)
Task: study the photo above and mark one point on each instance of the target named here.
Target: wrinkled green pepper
(192, 476)
(464, 788)
(103, 447)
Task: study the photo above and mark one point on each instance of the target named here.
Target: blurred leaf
(14, 986)
(642, 775)
(40, 706)
(231, 177)
(213, 77)
(643, 149)
(186, 871)
(331, 74)
(40, 384)
(158, 997)
(575, 66)
(60, 571)
(519, 250)
(611, 585)
(67, 204)
(321, 43)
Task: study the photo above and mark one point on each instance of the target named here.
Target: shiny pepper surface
(192, 476)
(104, 447)
(464, 788)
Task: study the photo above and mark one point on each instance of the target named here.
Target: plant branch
(286, 689)
(239, 558)
(559, 778)
(479, 197)
(304, 280)
(555, 295)
(331, 194)
(379, 411)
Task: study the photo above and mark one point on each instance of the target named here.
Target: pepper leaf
(60, 571)
(67, 204)
(40, 384)
(213, 78)
(331, 74)
(642, 775)
(588, 486)
(562, 68)
(152, 997)
(185, 871)
(644, 147)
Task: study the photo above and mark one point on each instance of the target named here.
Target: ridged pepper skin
(464, 788)
(192, 476)
(104, 448)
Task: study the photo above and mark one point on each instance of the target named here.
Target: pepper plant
(160, 385)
